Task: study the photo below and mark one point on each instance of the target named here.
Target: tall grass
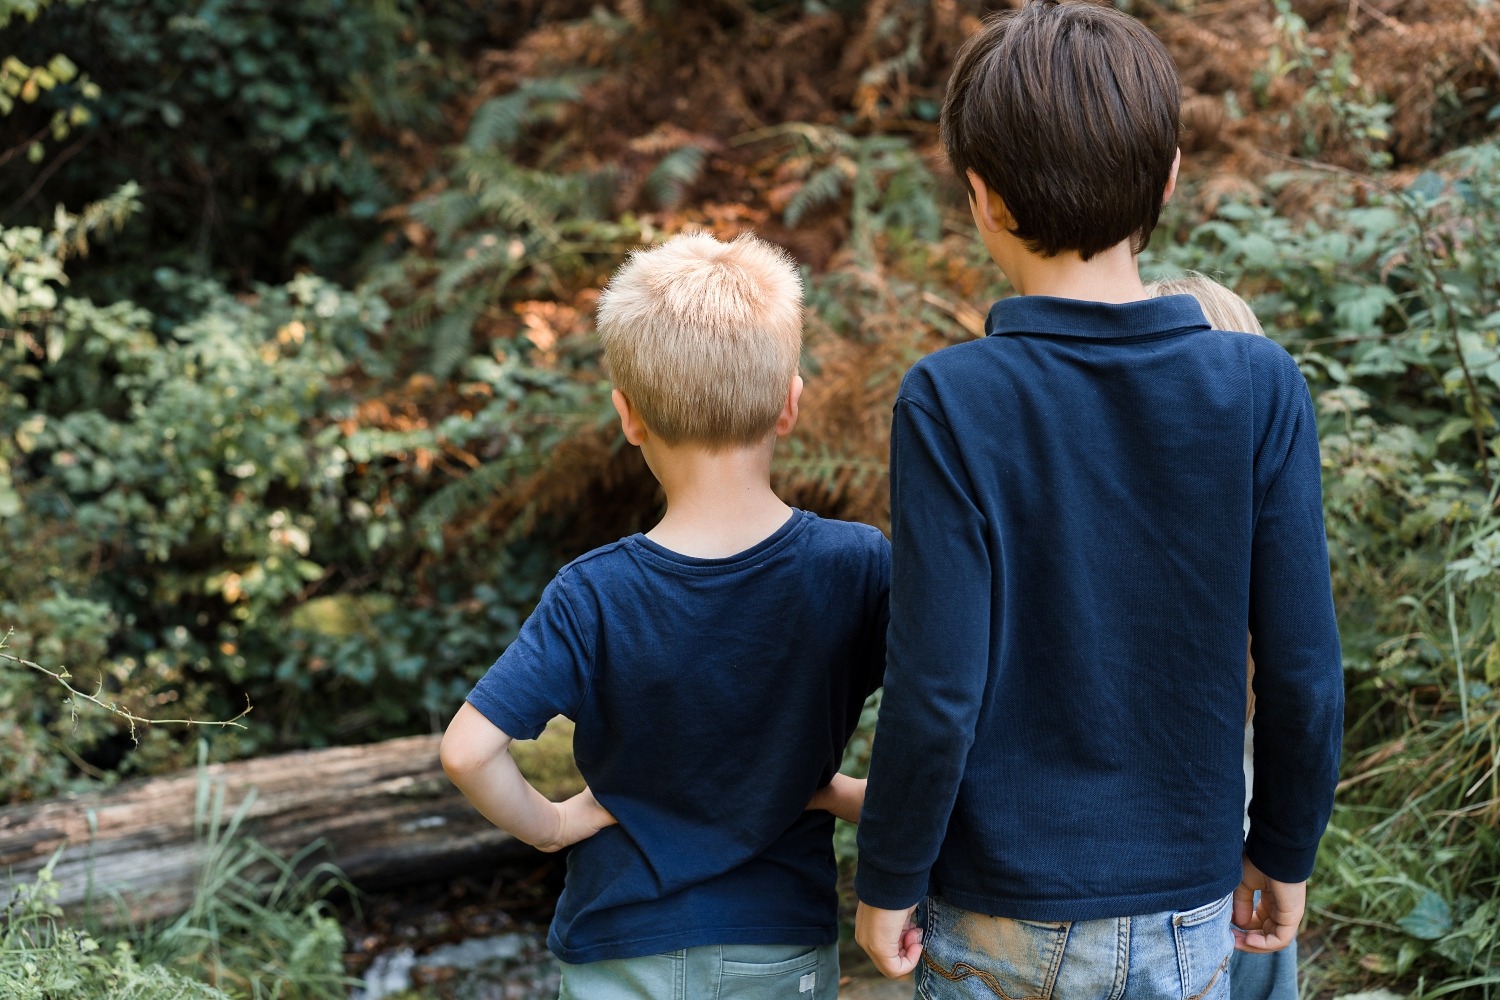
(259, 928)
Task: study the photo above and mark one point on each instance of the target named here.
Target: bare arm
(843, 796)
(476, 757)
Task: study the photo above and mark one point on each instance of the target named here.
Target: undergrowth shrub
(176, 485)
(258, 927)
(41, 957)
(254, 127)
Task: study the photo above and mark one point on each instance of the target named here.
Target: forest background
(299, 403)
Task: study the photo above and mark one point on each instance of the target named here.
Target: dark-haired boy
(1090, 509)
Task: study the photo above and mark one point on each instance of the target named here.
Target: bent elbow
(459, 757)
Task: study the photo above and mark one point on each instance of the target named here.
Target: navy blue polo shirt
(1090, 508)
(712, 698)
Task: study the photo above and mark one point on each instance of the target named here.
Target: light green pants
(710, 972)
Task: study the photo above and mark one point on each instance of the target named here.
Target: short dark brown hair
(1069, 112)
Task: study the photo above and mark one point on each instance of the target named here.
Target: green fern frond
(499, 122)
(487, 255)
(535, 202)
(910, 202)
(447, 212)
(416, 319)
(822, 188)
(482, 484)
(679, 170)
(829, 470)
(512, 197)
(450, 337)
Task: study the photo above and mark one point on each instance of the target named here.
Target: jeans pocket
(657, 976)
(972, 955)
(1204, 946)
(763, 972)
(804, 962)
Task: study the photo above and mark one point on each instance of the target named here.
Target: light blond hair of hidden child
(1223, 309)
(704, 337)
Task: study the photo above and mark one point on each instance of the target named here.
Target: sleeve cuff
(889, 890)
(1284, 864)
(502, 718)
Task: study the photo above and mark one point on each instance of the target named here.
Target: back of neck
(718, 503)
(1109, 276)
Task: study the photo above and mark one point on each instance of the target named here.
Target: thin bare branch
(63, 678)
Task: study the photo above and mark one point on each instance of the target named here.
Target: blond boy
(714, 666)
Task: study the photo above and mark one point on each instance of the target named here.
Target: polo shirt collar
(1054, 317)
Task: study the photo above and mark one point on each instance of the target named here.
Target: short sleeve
(544, 673)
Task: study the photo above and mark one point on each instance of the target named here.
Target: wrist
(559, 838)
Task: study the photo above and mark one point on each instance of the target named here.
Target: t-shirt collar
(1054, 317)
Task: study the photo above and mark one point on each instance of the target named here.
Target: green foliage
(670, 180)
(176, 485)
(891, 188)
(502, 229)
(41, 958)
(239, 118)
(259, 927)
(1335, 106)
(500, 121)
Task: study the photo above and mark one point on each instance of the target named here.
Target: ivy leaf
(1430, 919)
(1428, 185)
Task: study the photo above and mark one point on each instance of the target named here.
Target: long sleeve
(937, 660)
(1299, 692)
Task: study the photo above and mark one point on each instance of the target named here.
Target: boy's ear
(788, 418)
(988, 208)
(630, 418)
(1166, 194)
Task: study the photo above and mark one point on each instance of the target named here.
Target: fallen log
(384, 813)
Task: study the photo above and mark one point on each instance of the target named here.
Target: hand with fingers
(891, 938)
(578, 818)
(1269, 923)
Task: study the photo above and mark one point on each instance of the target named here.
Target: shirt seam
(958, 455)
(1094, 338)
(1286, 458)
(739, 562)
(593, 655)
(723, 929)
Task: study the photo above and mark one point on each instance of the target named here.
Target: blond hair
(1223, 309)
(704, 337)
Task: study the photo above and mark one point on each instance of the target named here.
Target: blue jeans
(1264, 977)
(1163, 956)
(723, 972)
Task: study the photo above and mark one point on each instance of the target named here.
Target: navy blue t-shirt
(1090, 508)
(712, 698)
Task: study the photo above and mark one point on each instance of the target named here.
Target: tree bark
(385, 814)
